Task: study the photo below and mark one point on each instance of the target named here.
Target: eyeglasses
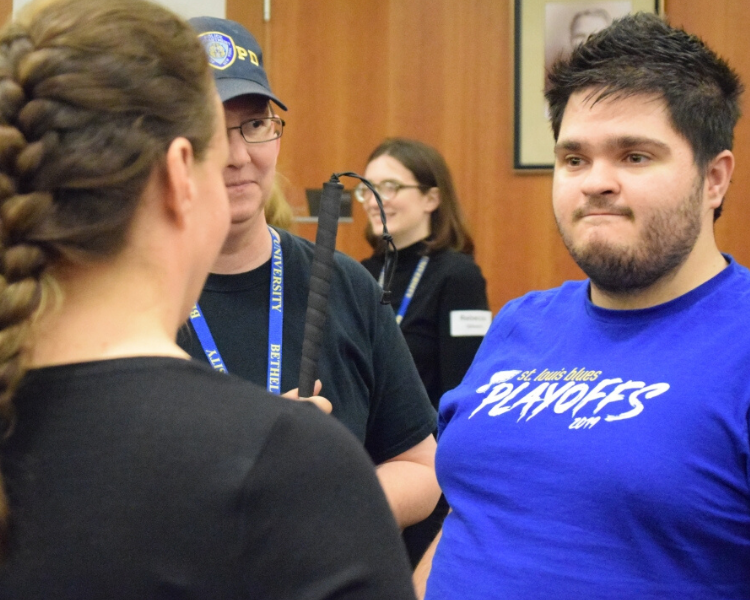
(387, 190)
(262, 129)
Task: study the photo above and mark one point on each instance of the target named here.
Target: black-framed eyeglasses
(261, 129)
(387, 189)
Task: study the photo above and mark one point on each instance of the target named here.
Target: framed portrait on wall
(546, 30)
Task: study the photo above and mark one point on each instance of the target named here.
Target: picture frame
(543, 31)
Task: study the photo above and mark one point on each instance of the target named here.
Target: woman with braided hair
(129, 471)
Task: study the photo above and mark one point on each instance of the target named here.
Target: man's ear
(718, 175)
(433, 199)
(180, 191)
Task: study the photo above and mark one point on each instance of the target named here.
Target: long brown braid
(92, 92)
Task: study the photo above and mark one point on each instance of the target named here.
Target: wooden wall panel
(353, 72)
(723, 24)
(329, 64)
(250, 14)
(6, 10)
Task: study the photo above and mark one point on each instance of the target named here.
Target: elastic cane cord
(391, 254)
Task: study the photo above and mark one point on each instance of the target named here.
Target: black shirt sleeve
(343, 542)
(401, 414)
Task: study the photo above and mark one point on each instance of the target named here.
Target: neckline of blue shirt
(666, 308)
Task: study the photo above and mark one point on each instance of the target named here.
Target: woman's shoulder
(456, 265)
(448, 254)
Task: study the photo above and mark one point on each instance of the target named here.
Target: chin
(245, 215)
(602, 238)
(245, 206)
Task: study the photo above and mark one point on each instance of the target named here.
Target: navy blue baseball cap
(235, 58)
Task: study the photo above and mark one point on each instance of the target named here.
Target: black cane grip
(321, 271)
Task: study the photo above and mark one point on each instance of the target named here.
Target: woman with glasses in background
(438, 291)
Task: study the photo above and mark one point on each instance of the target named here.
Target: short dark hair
(448, 227)
(642, 54)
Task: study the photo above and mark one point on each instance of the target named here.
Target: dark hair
(641, 54)
(92, 93)
(448, 227)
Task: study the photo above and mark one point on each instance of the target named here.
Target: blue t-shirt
(592, 453)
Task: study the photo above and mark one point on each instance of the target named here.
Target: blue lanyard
(275, 316)
(275, 323)
(411, 288)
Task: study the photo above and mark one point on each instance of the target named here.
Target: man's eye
(637, 159)
(573, 161)
(257, 124)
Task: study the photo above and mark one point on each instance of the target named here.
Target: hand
(322, 403)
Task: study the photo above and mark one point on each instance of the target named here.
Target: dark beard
(664, 244)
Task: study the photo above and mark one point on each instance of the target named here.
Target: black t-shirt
(451, 282)
(367, 371)
(158, 478)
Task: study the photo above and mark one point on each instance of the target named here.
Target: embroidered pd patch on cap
(221, 49)
(235, 58)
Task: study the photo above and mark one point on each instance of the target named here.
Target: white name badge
(469, 323)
